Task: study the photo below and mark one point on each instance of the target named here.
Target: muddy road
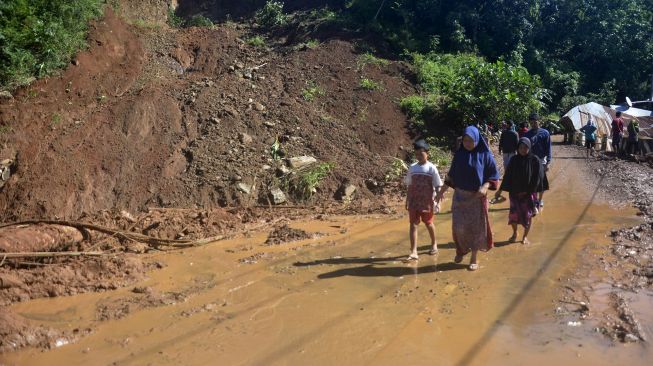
(344, 296)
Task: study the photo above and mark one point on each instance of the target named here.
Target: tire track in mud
(354, 308)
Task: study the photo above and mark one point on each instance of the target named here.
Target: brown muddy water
(347, 298)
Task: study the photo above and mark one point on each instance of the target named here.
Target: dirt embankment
(169, 133)
(151, 117)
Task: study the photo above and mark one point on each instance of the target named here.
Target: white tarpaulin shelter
(635, 112)
(578, 116)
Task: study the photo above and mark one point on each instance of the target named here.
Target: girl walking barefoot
(523, 179)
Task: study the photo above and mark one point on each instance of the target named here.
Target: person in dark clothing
(632, 145)
(540, 147)
(617, 133)
(523, 179)
(508, 144)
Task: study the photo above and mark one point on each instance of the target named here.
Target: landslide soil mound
(169, 133)
(161, 117)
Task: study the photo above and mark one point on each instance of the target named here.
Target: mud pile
(188, 118)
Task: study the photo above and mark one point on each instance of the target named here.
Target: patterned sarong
(522, 208)
(470, 222)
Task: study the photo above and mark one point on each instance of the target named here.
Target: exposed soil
(168, 133)
(179, 118)
(626, 265)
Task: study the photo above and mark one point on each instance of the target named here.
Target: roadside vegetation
(38, 37)
(459, 89)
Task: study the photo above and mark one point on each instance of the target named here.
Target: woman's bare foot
(513, 238)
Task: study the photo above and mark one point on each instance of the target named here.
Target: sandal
(473, 266)
(458, 259)
(433, 251)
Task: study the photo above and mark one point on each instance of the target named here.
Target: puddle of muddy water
(347, 298)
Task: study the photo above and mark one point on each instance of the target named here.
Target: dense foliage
(465, 88)
(581, 49)
(40, 36)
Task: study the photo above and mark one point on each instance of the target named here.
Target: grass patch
(312, 91)
(369, 84)
(256, 41)
(312, 43)
(146, 25)
(304, 183)
(5, 129)
(56, 119)
(369, 59)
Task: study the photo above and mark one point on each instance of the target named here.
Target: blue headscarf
(471, 169)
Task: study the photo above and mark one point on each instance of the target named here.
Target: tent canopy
(578, 116)
(602, 116)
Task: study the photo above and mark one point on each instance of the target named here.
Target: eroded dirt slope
(154, 116)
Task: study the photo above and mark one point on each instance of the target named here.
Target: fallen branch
(156, 242)
(105, 230)
(51, 254)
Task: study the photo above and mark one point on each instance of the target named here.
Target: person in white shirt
(423, 182)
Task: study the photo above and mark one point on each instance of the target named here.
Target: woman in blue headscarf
(473, 171)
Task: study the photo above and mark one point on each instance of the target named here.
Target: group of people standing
(632, 143)
(472, 173)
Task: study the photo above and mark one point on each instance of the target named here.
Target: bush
(271, 15)
(312, 43)
(305, 182)
(312, 91)
(369, 84)
(198, 21)
(256, 41)
(37, 37)
(369, 59)
(469, 89)
(174, 20)
(412, 106)
(397, 170)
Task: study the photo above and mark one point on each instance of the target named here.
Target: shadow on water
(371, 270)
(501, 319)
(504, 243)
(368, 260)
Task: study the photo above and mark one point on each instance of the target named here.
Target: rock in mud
(245, 188)
(301, 161)
(277, 196)
(245, 138)
(346, 192)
